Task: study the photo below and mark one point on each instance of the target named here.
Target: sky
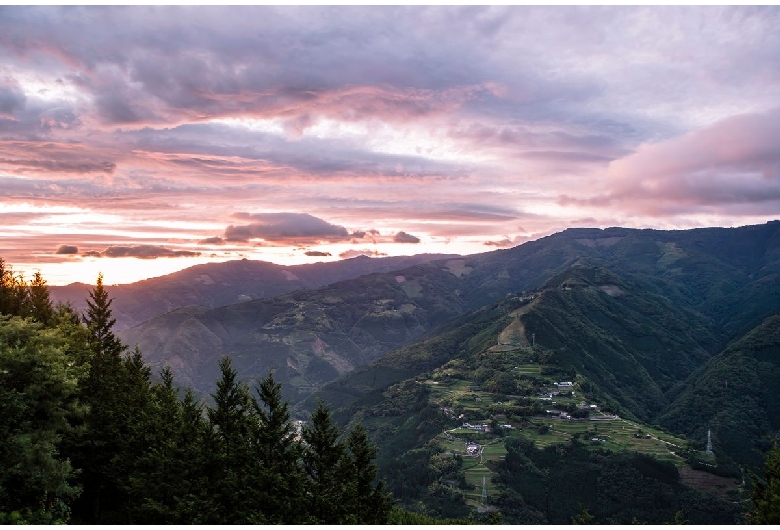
(139, 141)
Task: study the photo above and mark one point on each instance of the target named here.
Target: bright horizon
(140, 141)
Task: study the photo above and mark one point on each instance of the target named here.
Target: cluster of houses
(566, 416)
(480, 427)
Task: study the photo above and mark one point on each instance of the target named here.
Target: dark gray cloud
(212, 241)
(67, 249)
(317, 253)
(257, 154)
(403, 237)
(141, 252)
(285, 227)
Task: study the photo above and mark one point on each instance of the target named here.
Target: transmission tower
(484, 492)
(709, 441)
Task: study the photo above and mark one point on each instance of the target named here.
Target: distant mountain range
(217, 284)
(719, 282)
(652, 360)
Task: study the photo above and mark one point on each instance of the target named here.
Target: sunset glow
(139, 141)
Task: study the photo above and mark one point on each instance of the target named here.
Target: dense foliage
(555, 485)
(735, 396)
(766, 492)
(88, 437)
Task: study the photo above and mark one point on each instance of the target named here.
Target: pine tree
(40, 303)
(326, 469)
(96, 449)
(277, 455)
(155, 476)
(100, 323)
(192, 506)
(14, 294)
(136, 425)
(232, 423)
(370, 503)
(6, 289)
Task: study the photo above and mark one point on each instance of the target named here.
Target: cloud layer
(139, 251)
(263, 131)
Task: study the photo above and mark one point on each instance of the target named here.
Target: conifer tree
(40, 303)
(232, 422)
(14, 294)
(136, 426)
(329, 488)
(100, 322)
(22, 297)
(6, 289)
(192, 506)
(277, 455)
(158, 470)
(96, 450)
(370, 502)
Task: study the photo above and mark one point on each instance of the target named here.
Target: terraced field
(452, 392)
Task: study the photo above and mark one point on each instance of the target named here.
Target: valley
(369, 265)
(516, 393)
(543, 383)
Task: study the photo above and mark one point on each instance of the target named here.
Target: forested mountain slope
(308, 337)
(728, 277)
(735, 395)
(624, 347)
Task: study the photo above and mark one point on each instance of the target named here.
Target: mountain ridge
(695, 270)
(217, 284)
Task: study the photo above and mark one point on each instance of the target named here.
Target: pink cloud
(53, 157)
(743, 142)
(507, 242)
(735, 161)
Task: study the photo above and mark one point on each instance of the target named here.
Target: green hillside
(735, 395)
(308, 337)
(701, 289)
(625, 349)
